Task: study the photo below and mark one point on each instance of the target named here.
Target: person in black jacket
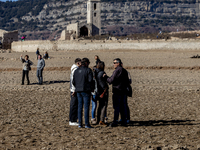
(97, 59)
(119, 81)
(37, 53)
(102, 93)
(83, 82)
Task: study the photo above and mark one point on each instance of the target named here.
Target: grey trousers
(39, 76)
(102, 109)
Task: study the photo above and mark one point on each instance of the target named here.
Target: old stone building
(90, 28)
(6, 38)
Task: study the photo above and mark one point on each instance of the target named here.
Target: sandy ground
(164, 108)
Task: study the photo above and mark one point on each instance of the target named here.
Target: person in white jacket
(73, 114)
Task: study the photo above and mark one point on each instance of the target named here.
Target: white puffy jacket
(73, 68)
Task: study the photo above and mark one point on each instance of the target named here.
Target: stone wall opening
(84, 31)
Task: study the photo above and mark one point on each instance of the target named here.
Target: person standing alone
(73, 114)
(40, 68)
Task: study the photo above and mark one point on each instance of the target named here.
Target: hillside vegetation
(119, 17)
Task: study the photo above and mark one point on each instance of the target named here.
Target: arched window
(95, 6)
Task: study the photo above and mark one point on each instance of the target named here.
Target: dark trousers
(39, 76)
(101, 112)
(120, 106)
(25, 73)
(127, 109)
(73, 113)
(83, 98)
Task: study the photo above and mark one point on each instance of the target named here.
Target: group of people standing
(87, 85)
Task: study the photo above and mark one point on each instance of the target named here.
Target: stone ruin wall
(7, 38)
(31, 46)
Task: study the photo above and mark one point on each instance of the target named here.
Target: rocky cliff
(118, 17)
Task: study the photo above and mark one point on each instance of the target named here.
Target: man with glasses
(119, 81)
(83, 82)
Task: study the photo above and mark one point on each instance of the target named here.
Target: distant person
(102, 93)
(119, 81)
(73, 113)
(23, 38)
(46, 55)
(83, 82)
(40, 68)
(26, 68)
(37, 53)
(97, 59)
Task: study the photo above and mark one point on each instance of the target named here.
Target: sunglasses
(115, 62)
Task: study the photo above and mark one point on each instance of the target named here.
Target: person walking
(102, 93)
(26, 68)
(84, 85)
(73, 113)
(119, 81)
(40, 68)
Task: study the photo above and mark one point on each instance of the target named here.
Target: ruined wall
(63, 35)
(73, 27)
(8, 38)
(2, 32)
(31, 46)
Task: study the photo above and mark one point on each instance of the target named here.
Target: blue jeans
(94, 105)
(83, 98)
(39, 76)
(120, 106)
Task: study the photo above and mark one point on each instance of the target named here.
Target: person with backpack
(26, 68)
(120, 82)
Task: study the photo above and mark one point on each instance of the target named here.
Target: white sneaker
(73, 123)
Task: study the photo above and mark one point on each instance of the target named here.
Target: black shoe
(113, 124)
(22, 84)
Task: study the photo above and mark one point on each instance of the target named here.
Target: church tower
(198, 10)
(94, 16)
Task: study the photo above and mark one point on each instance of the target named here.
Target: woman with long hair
(102, 93)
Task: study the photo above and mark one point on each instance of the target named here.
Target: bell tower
(94, 16)
(198, 10)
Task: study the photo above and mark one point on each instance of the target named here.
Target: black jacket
(119, 80)
(101, 81)
(83, 80)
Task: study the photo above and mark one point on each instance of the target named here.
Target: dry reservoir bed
(164, 108)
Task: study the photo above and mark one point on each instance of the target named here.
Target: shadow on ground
(52, 82)
(162, 123)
